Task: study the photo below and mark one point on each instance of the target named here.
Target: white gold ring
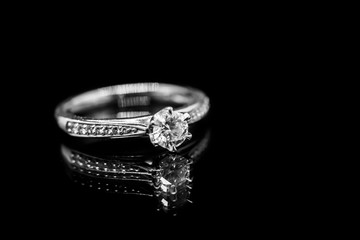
(132, 110)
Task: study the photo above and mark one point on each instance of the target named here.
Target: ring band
(167, 128)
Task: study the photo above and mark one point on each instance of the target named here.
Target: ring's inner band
(129, 105)
(132, 100)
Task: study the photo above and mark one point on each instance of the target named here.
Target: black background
(237, 181)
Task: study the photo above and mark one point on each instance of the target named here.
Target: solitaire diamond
(169, 129)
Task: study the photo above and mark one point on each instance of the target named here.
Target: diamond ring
(158, 110)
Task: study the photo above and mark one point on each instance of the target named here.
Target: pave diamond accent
(169, 129)
(99, 130)
(201, 111)
(84, 129)
(93, 130)
(75, 128)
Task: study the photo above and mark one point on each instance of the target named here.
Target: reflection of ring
(90, 114)
(166, 177)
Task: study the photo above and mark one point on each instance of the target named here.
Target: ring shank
(192, 101)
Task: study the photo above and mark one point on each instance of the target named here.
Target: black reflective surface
(255, 73)
(233, 177)
(160, 178)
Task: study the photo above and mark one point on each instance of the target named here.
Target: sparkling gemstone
(92, 130)
(75, 129)
(101, 130)
(84, 129)
(69, 126)
(169, 129)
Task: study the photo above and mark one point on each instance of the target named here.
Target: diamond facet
(169, 129)
(75, 129)
(84, 129)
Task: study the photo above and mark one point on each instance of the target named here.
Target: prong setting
(188, 136)
(186, 117)
(169, 129)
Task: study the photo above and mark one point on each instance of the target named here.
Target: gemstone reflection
(165, 177)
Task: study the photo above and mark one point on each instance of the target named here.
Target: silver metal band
(194, 102)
